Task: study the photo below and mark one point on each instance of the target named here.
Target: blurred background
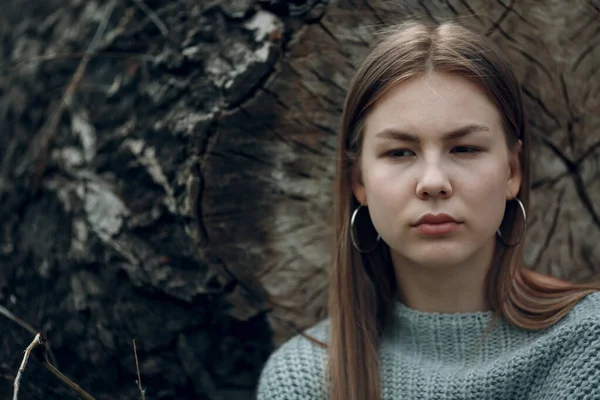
(166, 170)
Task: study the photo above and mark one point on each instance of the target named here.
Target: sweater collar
(450, 337)
(416, 316)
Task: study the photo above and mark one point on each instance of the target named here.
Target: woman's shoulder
(571, 349)
(579, 329)
(586, 311)
(295, 369)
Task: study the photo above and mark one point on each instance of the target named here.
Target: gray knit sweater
(434, 356)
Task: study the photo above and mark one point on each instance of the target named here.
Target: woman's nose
(433, 181)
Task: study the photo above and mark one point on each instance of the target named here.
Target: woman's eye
(401, 153)
(465, 149)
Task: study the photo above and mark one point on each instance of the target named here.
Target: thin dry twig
(8, 314)
(51, 127)
(67, 381)
(78, 54)
(137, 367)
(39, 343)
(36, 342)
(162, 27)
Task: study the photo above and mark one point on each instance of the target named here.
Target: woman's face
(435, 145)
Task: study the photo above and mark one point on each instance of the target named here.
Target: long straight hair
(363, 286)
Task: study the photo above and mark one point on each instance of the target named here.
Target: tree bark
(176, 187)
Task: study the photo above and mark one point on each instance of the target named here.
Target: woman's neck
(444, 288)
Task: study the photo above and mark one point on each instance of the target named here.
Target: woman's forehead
(437, 102)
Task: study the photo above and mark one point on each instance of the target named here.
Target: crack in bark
(466, 4)
(571, 135)
(451, 8)
(589, 91)
(587, 51)
(261, 161)
(328, 100)
(329, 33)
(306, 280)
(505, 35)
(276, 98)
(585, 199)
(588, 263)
(537, 63)
(294, 144)
(580, 188)
(428, 11)
(589, 152)
(583, 27)
(571, 166)
(515, 12)
(327, 80)
(367, 4)
(323, 128)
(565, 94)
(505, 13)
(547, 181)
(266, 270)
(241, 154)
(541, 104)
(306, 147)
(294, 71)
(318, 292)
(570, 241)
(309, 91)
(253, 93)
(237, 212)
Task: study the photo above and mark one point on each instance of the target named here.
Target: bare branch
(6, 312)
(74, 55)
(162, 27)
(42, 355)
(137, 367)
(84, 395)
(36, 341)
(52, 125)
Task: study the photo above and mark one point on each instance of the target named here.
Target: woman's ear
(515, 176)
(358, 187)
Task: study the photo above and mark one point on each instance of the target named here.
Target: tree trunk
(174, 186)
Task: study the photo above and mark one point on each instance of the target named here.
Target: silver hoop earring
(499, 234)
(353, 238)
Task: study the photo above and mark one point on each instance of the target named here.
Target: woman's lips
(437, 229)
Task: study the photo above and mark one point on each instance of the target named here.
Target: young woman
(429, 298)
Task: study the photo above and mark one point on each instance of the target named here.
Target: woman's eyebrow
(395, 134)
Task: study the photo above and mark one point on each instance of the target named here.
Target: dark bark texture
(166, 170)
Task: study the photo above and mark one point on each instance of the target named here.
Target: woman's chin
(436, 256)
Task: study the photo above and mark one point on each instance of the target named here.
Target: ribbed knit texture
(438, 356)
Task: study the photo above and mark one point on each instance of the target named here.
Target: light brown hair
(363, 286)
